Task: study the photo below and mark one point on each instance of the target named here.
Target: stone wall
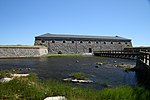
(22, 51)
(82, 46)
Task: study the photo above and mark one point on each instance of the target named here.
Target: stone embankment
(22, 51)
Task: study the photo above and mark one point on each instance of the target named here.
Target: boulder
(56, 98)
(87, 54)
(67, 79)
(20, 75)
(82, 81)
(77, 80)
(3, 80)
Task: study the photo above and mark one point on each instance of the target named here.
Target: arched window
(72, 41)
(81, 41)
(43, 41)
(64, 41)
(53, 41)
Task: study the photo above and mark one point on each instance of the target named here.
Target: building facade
(57, 43)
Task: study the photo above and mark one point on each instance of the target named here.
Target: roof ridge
(81, 36)
(74, 35)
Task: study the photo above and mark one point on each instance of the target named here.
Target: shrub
(78, 75)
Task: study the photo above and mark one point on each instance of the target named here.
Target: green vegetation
(106, 84)
(126, 67)
(6, 73)
(125, 93)
(139, 47)
(59, 55)
(26, 88)
(101, 63)
(30, 88)
(78, 75)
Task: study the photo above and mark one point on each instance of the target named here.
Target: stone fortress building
(58, 43)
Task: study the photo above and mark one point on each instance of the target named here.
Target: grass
(30, 88)
(59, 55)
(125, 93)
(140, 47)
(6, 73)
(21, 88)
(78, 75)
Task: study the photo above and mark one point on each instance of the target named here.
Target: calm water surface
(59, 68)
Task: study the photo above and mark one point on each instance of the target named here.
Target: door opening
(90, 50)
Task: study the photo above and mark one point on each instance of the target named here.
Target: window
(81, 41)
(111, 42)
(89, 42)
(53, 41)
(43, 41)
(72, 41)
(64, 41)
(96, 42)
(126, 42)
(119, 43)
(104, 42)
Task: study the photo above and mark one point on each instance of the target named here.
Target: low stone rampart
(22, 51)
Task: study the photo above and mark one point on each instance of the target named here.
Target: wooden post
(148, 59)
(145, 58)
(142, 57)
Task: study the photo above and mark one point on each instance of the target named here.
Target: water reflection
(59, 68)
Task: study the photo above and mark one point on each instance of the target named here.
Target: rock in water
(87, 54)
(77, 61)
(115, 61)
(20, 75)
(67, 79)
(96, 66)
(82, 81)
(56, 98)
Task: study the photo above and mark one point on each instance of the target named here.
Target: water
(59, 68)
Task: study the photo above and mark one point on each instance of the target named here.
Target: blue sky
(22, 20)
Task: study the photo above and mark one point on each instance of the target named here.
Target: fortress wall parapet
(22, 51)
